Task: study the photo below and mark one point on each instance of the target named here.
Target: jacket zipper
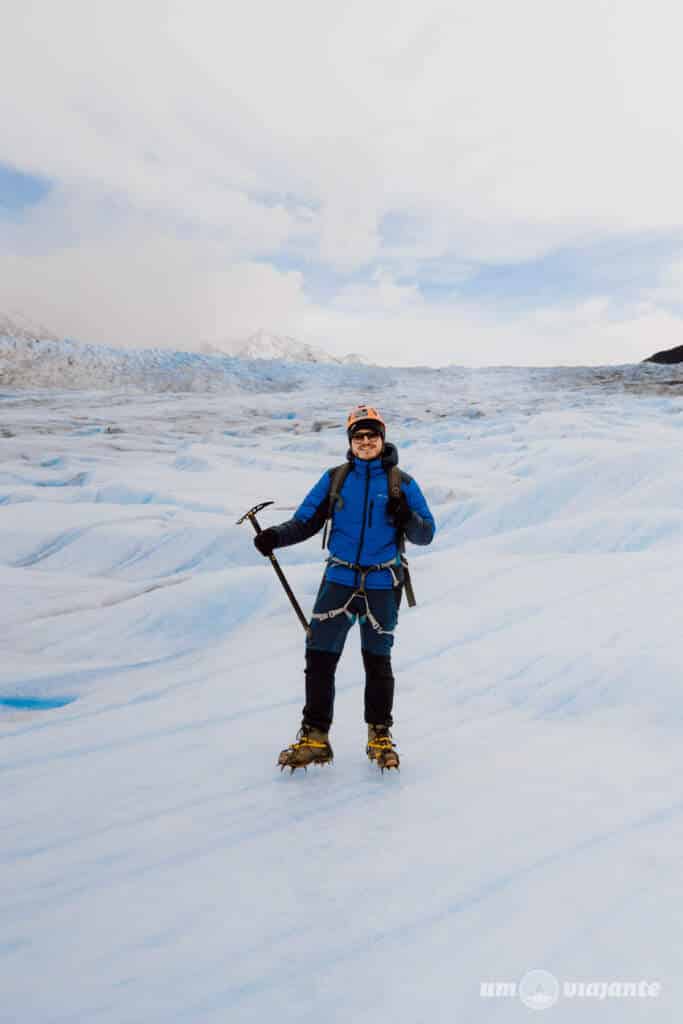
(365, 513)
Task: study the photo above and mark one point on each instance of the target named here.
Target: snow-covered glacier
(32, 357)
(157, 867)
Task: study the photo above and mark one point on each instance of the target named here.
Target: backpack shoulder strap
(395, 478)
(338, 476)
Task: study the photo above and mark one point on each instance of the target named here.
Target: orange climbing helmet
(364, 416)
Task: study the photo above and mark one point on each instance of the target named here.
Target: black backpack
(335, 501)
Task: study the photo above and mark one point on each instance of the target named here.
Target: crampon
(311, 747)
(381, 749)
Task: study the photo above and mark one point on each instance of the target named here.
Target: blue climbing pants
(326, 643)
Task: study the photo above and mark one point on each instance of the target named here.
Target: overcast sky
(470, 181)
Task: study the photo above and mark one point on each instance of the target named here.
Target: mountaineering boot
(310, 747)
(380, 748)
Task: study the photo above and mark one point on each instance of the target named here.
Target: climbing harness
(393, 566)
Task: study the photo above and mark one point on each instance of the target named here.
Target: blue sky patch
(620, 268)
(19, 190)
(617, 268)
(292, 203)
(399, 228)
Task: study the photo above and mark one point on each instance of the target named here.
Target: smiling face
(366, 443)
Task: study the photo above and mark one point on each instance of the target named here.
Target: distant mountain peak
(281, 347)
(264, 345)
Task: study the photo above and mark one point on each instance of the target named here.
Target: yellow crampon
(381, 750)
(308, 749)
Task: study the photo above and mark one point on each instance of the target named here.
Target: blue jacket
(362, 532)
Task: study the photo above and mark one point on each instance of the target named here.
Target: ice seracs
(18, 327)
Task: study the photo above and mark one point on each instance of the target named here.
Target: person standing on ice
(372, 505)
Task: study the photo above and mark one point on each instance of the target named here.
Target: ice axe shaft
(251, 516)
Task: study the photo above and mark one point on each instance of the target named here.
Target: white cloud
(348, 235)
(589, 333)
(163, 293)
(530, 111)
(151, 289)
(190, 140)
(670, 287)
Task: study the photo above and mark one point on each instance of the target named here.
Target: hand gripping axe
(251, 516)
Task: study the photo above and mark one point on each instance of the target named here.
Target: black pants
(326, 643)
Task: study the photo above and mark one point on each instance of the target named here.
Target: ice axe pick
(251, 516)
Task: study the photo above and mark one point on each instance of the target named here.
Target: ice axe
(251, 516)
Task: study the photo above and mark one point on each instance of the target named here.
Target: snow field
(155, 864)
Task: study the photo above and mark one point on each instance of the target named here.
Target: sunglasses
(366, 435)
